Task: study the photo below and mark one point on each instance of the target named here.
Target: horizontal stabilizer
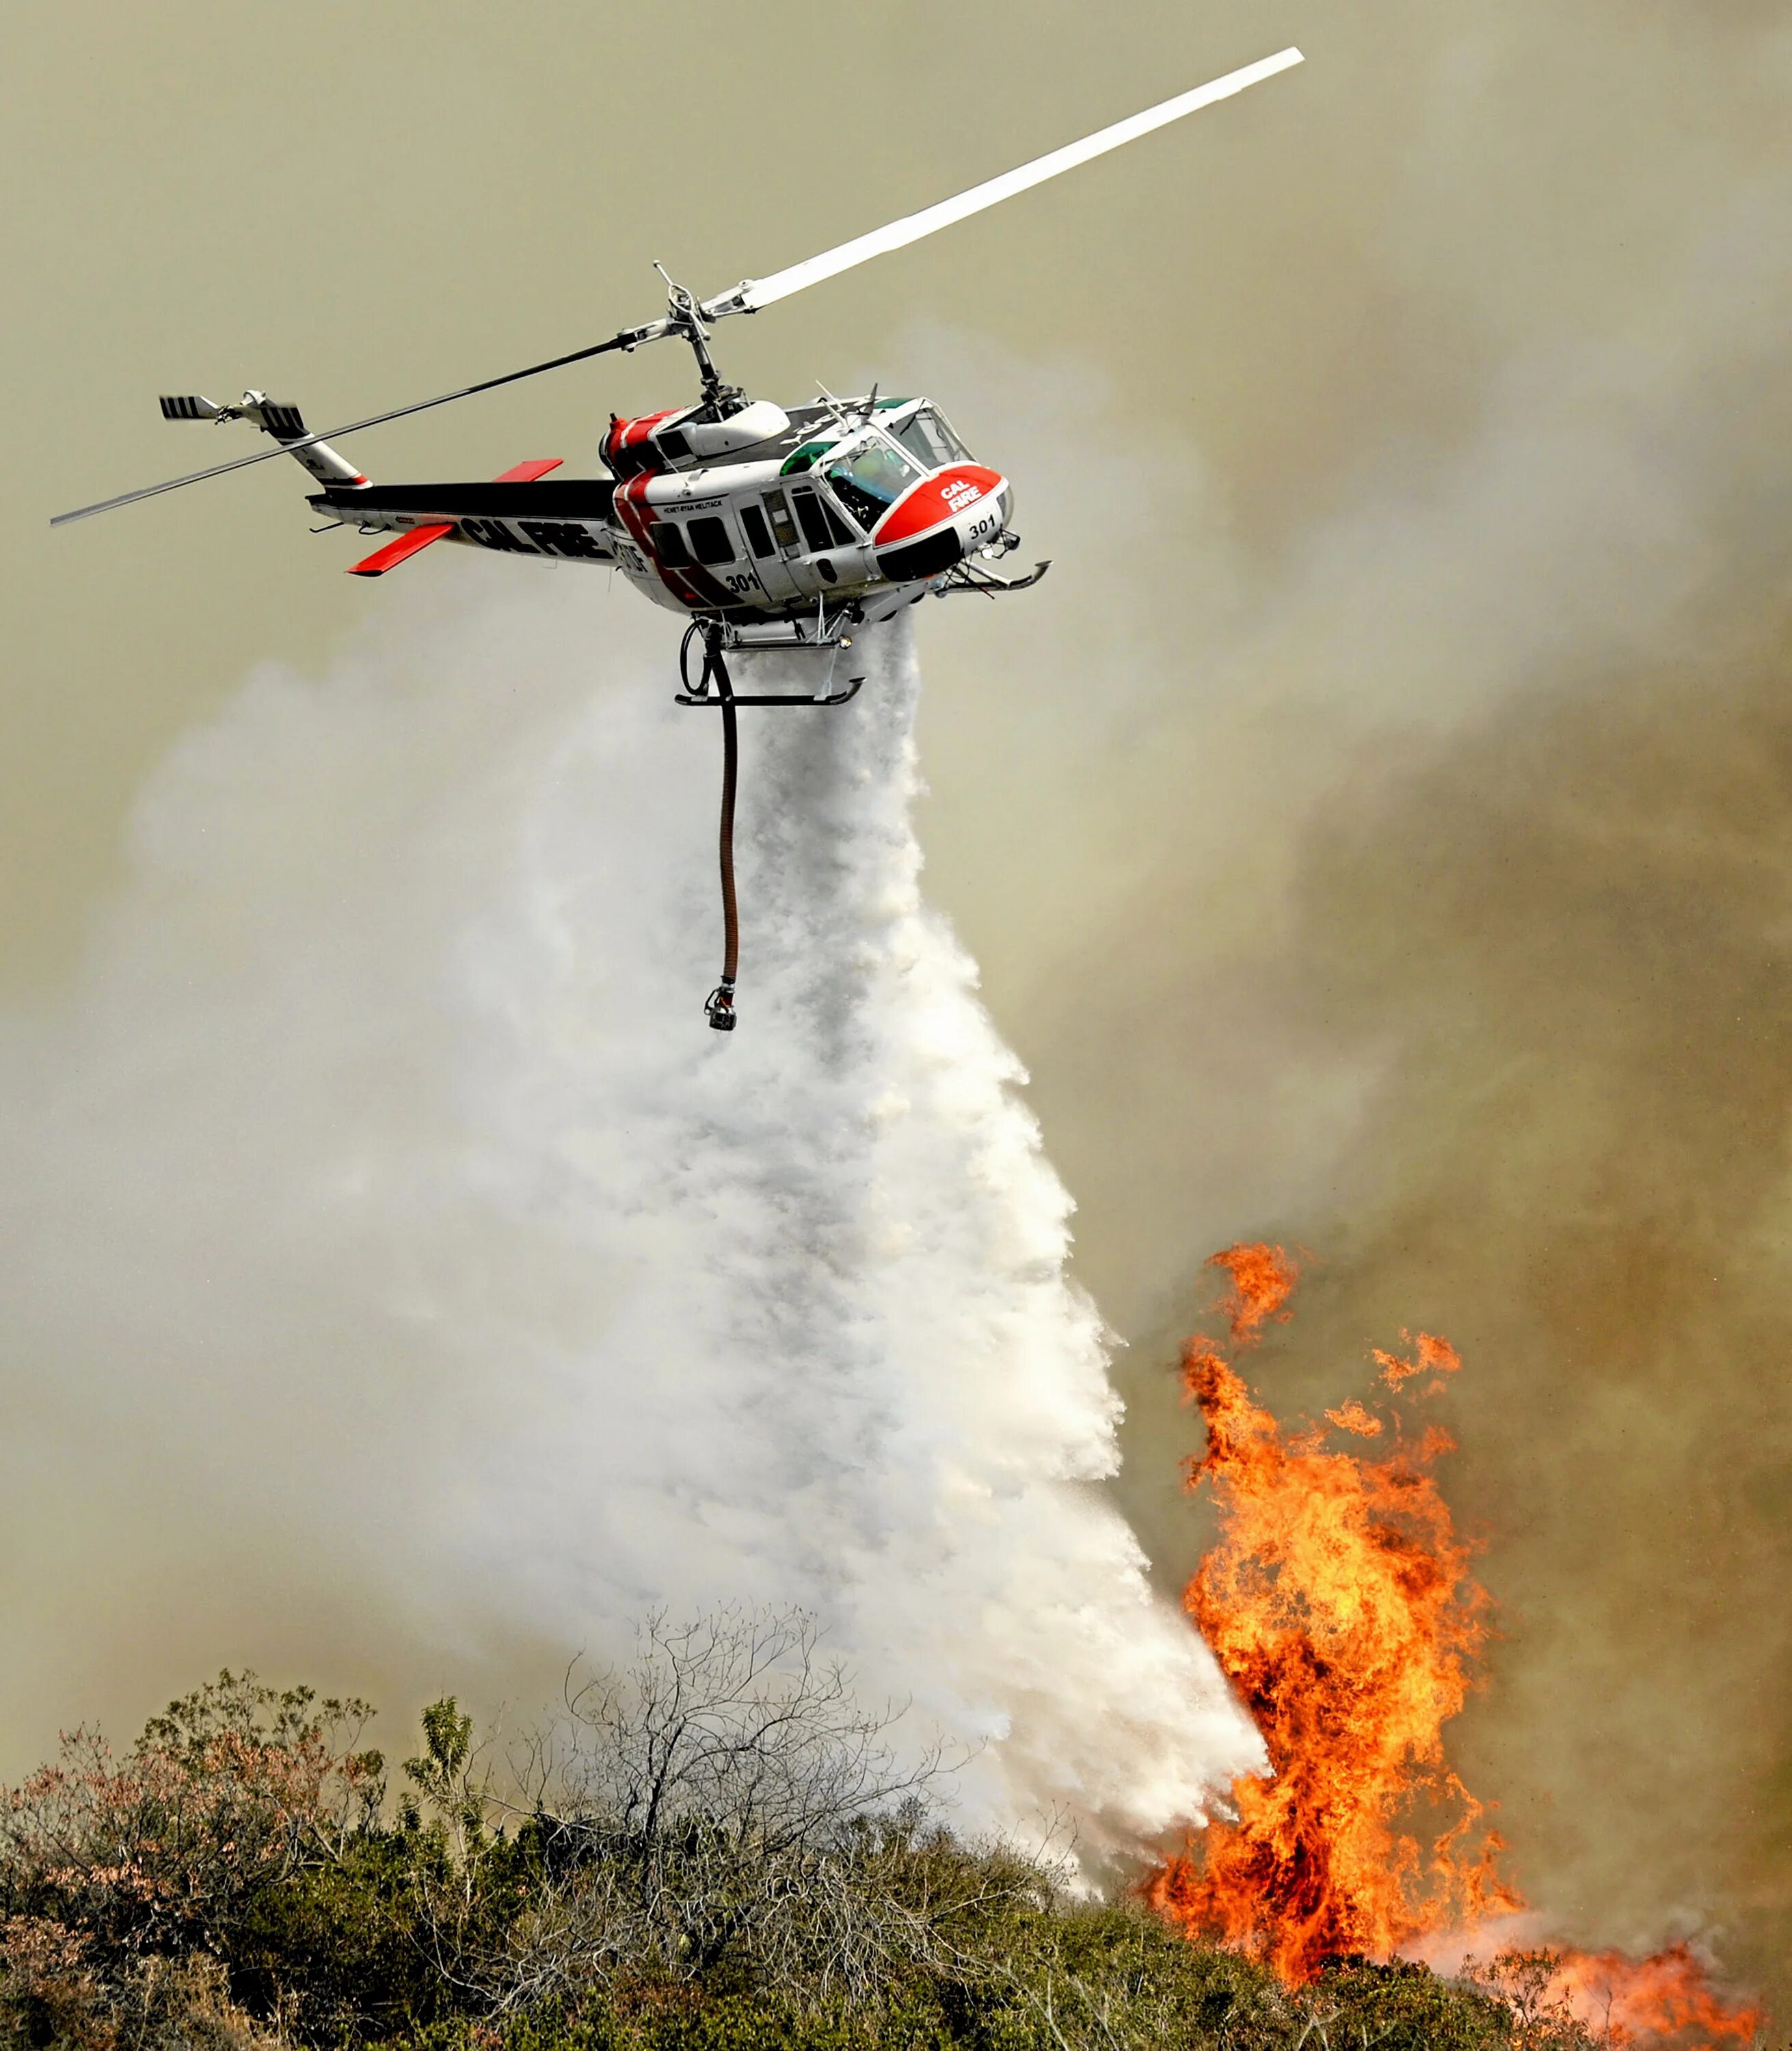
(194, 409)
(394, 552)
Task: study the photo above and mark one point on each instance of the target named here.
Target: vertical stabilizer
(285, 423)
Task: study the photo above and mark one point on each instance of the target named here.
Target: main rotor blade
(627, 339)
(753, 293)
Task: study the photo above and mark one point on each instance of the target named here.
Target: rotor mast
(686, 315)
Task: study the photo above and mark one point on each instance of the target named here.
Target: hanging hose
(719, 1008)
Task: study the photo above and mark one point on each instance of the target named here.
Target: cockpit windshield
(870, 479)
(927, 436)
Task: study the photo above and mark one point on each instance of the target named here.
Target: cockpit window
(870, 480)
(925, 435)
(805, 457)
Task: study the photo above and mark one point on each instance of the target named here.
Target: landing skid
(772, 698)
(967, 577)
(717, 644)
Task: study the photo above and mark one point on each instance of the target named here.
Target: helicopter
(768, 529)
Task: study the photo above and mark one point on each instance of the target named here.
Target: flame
(1664, 1999)
(1339, 1598)
(1430, 1353)
(1263, 1279)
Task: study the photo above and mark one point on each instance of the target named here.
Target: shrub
(222, 1800)
(718, 1851)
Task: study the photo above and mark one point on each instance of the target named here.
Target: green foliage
(240, 1882)
(238, 1708)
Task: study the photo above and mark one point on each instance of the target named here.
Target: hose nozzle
(718, 1006)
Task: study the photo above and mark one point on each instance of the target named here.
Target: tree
(723, 1807)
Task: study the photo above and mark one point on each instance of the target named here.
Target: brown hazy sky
(1375, 835)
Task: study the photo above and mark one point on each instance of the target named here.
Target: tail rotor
(274, 417)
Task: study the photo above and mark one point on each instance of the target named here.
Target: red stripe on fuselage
(638, 517)
(625, 435)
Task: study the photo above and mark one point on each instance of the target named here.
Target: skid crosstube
(717, 648)
(774, 698)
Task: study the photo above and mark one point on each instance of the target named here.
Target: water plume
(462, 1289)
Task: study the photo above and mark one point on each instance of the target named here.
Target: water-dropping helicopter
(767, 529)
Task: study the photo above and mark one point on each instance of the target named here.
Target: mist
(431, 1279)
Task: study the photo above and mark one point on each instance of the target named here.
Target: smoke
(395, 1241)
(1450, 936)
(1562, 945)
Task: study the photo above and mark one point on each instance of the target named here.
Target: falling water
(384, 1172)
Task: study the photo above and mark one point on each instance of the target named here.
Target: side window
(783, 528)
(709, 541)
(815, 520)
(669, 544)
(822, 527)
(759, 537)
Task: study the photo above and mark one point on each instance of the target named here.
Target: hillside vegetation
(716, 1850)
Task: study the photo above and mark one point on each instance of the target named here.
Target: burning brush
(1340, 1600)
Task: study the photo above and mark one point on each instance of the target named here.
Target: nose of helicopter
(979, 523)
(958, 510)
(1002, 505)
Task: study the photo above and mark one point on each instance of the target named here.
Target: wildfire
(1636, 2000)
(1339, 1599)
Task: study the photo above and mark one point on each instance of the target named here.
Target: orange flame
(1263, 1279)
(1339, 1599)
(1438, 1356)
(1665, 1999)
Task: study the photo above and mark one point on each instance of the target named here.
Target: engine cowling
(656, 441)
(764, 420)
